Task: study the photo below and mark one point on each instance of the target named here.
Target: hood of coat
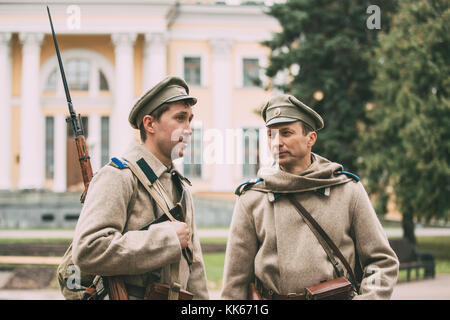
(322, 173)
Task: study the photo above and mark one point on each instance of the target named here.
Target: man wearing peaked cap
(169, 90)
(137, 189)
(271, 246)
(286, 108)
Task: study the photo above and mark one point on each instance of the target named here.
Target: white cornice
(112, 16)
(102, 2)
(96, 17)
(222, 9)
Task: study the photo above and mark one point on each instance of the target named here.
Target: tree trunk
(408, 227)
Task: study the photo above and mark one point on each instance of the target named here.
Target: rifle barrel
(80, 141)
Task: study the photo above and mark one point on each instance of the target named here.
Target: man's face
(287, 143)
(173, 129)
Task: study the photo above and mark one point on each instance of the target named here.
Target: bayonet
(80, 140)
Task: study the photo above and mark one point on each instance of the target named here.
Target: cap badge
(277, 112)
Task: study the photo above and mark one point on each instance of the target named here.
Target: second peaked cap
(287, 108)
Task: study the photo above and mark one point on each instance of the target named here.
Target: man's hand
(182, 231)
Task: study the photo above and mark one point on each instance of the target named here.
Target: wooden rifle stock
(117, 289)
(253, 293)
(116, 285)
(85, 161)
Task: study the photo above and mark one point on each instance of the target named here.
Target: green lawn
(214, 269)
(216, 240)
(440, 246)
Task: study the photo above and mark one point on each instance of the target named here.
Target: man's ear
(148, 123)
(312, 138)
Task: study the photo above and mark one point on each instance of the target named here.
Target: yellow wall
(245, 101)
(101, 44)
(203, 110)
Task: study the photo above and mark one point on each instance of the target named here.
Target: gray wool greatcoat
(270, 241)
(107, 239)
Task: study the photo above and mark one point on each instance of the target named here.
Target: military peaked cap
(286, 108)
(169, 90)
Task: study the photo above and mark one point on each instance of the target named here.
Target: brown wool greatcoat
(269, 239)
(107, 239)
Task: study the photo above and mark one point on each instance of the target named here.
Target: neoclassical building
(113, 51)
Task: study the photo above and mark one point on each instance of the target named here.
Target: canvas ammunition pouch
(77, 285)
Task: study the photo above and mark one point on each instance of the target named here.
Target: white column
(60, 153)
(222, 90)
(5, 110)
(155, 59)
(121, 132)
(32, 142)
(95, 141)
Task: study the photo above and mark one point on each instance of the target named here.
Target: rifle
(115, 284)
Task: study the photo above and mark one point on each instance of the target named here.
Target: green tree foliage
(407, 145)
(330, 42)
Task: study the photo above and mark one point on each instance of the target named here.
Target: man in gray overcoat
(108, 240)
(270, 243)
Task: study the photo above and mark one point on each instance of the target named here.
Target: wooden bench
(411, 259)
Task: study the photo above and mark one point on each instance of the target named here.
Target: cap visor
(179, 98)
(280, 120)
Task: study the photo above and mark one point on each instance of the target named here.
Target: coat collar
(140, 157)
(138, 154)
(320, 175)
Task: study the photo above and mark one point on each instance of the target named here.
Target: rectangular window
(105, 141)
(250, 71)
(49, 147)
(192, 160)
(192, 70)
(251, 152)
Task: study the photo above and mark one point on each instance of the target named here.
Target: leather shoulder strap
(307, 216)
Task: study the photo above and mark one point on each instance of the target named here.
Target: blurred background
(377, 72)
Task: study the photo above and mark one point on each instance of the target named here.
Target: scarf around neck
(320, 174)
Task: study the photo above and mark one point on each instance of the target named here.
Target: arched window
(103, 82)
(82, 74)
(50, 84)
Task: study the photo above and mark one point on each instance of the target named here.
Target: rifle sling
(175, 285)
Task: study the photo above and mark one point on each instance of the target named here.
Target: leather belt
(269, 294)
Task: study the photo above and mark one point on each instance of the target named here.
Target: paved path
(430, 289)
(427, 289)
(203, 233)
